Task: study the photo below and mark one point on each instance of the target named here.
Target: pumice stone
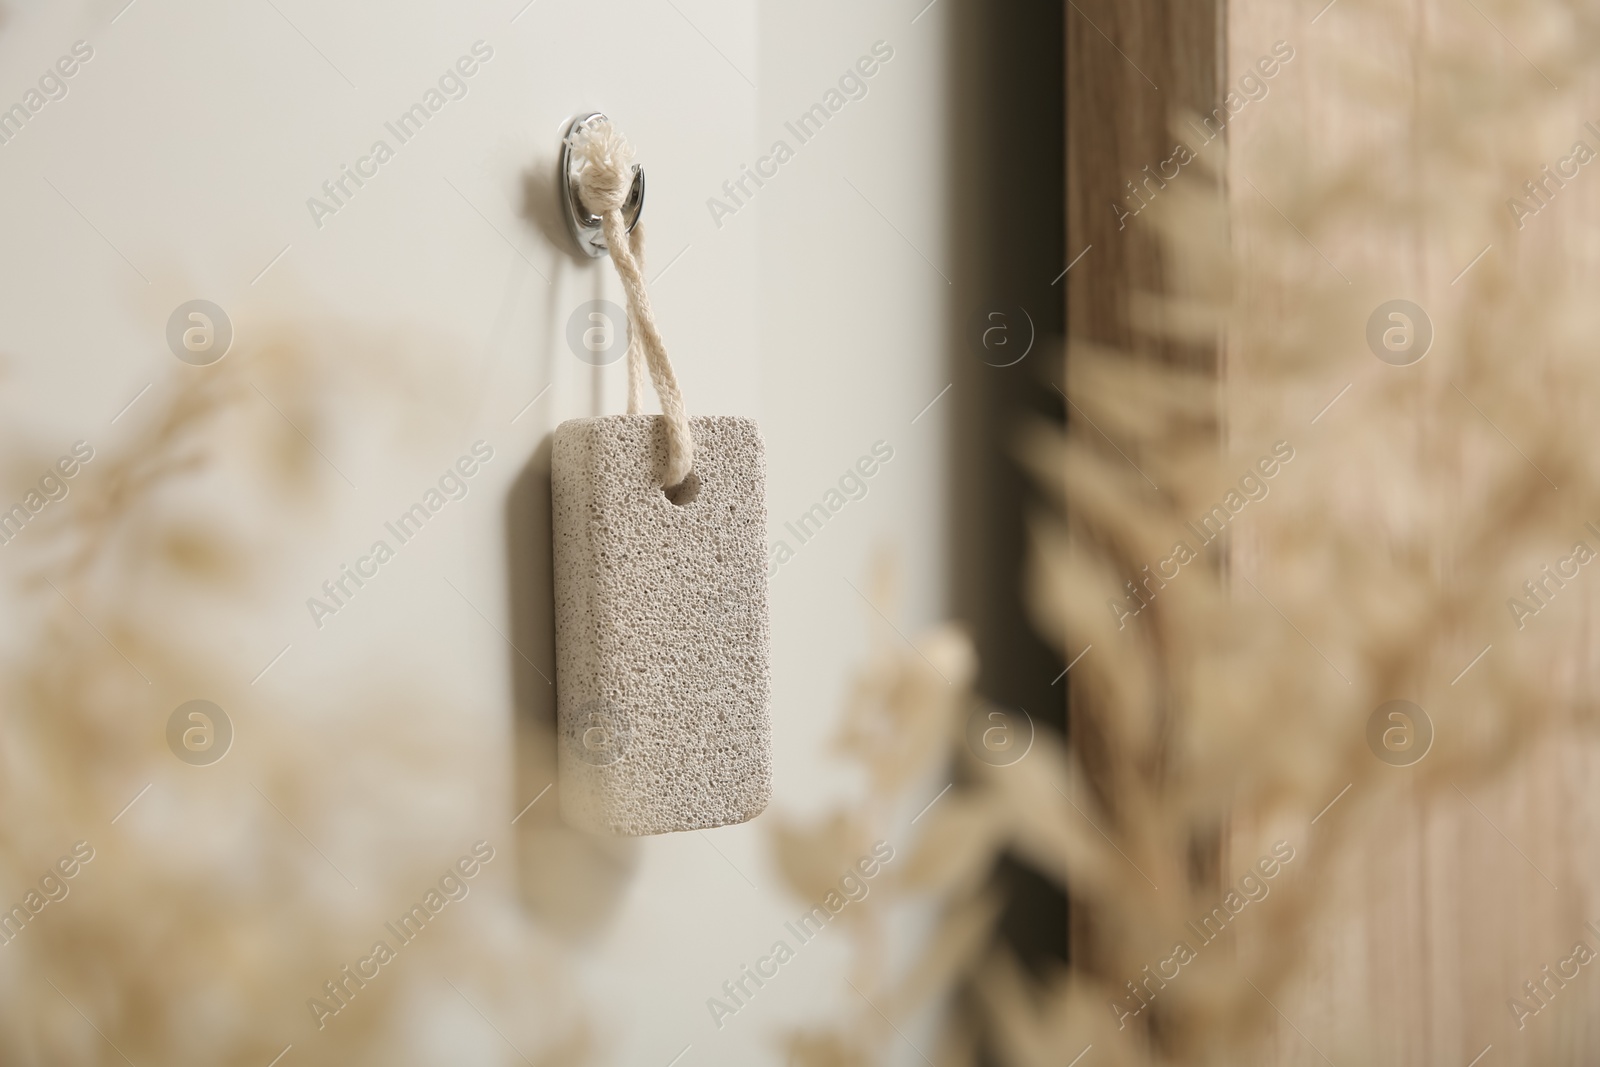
(662, 681)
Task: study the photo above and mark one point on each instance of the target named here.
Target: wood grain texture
(1132, 67)
(1458, 897)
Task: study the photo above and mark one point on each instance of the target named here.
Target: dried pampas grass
(1269, 861)
(214, 904)
(903, 713)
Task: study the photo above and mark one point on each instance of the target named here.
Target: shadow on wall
(570, 880)
(541, 205)
(543, 209)
(1006, 327)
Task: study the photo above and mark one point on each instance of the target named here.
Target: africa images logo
(199, 332)
(598, 734)
(451, 887)
(338, 191)
(199, 733)
(1399, 733)
(852, 85)
(1399, 333)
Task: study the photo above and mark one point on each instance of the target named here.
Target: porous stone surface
(662, 683)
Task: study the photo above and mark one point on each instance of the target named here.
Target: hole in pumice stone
(685, 492)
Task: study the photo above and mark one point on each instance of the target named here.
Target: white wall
(179, 166)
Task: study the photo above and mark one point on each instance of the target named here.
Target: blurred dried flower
(207, 918)
(1369, 516)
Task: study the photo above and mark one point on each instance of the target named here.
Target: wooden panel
(1132, 67)
(1450, 901)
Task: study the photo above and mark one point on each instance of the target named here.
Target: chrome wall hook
(586, 227)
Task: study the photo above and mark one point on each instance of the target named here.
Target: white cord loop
(604, 174)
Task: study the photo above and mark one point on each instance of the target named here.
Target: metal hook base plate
(586, 227)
